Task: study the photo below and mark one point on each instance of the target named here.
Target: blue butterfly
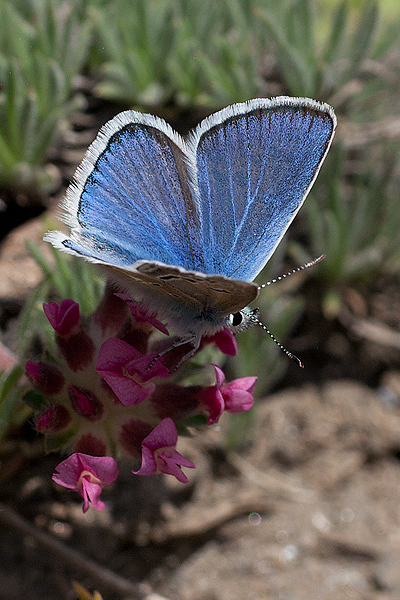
(185, 225)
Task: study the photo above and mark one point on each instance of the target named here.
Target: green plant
(30, 116)
(137, 38)
(216, 58)
(11, 391)
(187, 51)
(67, 277)
(40, 54)
(319, 68)
(354, 219)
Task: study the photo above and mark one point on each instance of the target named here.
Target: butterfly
(185, 225)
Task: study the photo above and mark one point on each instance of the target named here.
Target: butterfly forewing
(131, 198)
(255, 164)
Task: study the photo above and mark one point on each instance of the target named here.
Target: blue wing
(255, 163)
(130, 199)
(219, 204)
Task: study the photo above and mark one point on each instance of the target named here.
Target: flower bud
(63, 317)
(85, 403)
(53, 419)
(77, 349)
(46, 378)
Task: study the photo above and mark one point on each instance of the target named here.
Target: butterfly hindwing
(191, 299)
(255, 163)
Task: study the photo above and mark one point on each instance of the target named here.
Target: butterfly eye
(235, 319)
(242, 320)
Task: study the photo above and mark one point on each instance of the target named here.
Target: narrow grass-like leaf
(10, 394)
(300, 29)
(334, 46)
(363, 35)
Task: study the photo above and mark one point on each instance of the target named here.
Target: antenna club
(281, 346)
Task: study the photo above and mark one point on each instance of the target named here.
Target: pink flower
(238, 394)
(74, 343)
(126, 370)
(159, 454)
(213, 400)
(64, 317)
(86, 475)
(234, 397)
(141, 313)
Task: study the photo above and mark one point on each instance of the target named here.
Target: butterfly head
(247, 317)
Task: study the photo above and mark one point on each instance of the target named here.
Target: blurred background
(298, 499)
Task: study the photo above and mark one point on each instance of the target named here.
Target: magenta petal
(103, 467)
(163, 435)
(237, 394)
(176, 457)
(69, 471)
(214, 403)
(85, 403)
(91, 491)
(115, 353)
(149, 465)
(141, 314)
(219, 375)
(128, 391)
(87, 474)
(238, 401)
(243, 383)
(118, 363)
(170, 463)
(224, 340)
(140, 367)
(64, 317)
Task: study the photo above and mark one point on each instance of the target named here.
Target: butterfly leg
(188, 339)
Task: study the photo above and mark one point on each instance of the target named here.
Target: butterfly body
(192, 301)
(185, 225)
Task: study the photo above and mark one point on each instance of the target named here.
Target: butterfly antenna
(302, 268)
(264, 285)
(285, 350)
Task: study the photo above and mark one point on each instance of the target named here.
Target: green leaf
(10, 394)
(335, 43)
(362, 38)
(300, 30)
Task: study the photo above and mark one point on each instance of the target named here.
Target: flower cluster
(108, 391)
